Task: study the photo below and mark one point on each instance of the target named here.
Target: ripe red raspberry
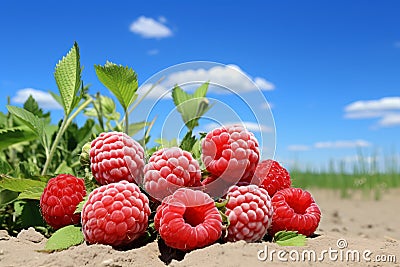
(115, 214)
(168, 169)
(271, 176)
(188, 219)
(114, 157)
(231, 153)
(294, 210)
(249, 210)
(59, 200)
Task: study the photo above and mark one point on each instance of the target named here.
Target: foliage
(289, 238)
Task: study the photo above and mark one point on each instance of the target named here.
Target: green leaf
(57, 98)
(188, 142)
(64, 238)
(64, 168)
(34, 193)
(136, 127)
(15, 135)
(19, 184)
(80, 205)
(121, 81)
(191, 106)
(289, 238)
(30, 120)
(68, 79)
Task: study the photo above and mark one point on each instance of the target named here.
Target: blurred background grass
(368, 175)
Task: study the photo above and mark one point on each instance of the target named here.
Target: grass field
(367, 174)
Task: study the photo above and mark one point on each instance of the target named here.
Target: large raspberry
(168, 169)
(271, 176)
(114, 157)
(294, 210)
(188, 219)
(115, 214)
(231, 153)
(249, 210)
(60, 198)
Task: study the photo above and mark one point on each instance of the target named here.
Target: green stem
(126, 122)
(64, 125)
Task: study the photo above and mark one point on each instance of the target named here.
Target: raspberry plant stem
(64, 125)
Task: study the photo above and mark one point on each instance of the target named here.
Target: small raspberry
(168, 169)
(294, 210)
(60, 198)
(114, 157)
(271, 176)
(115, 214)
(231, 153)
(249, 210)
(188, 219)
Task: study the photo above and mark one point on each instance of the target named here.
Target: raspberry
(114, 157)
(231, 153)
(271, 176)
(294, 210)
(59, 200)
(249, 210)
(115, 214)
(168, 169)
(188, 219)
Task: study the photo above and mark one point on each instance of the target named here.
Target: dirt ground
(356, 232)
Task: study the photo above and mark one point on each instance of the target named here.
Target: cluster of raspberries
(258, 194)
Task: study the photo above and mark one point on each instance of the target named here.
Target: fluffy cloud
(44, 99)
(226, 78)
(343, 144)
(298, 148)
(386, 109)
(150, 28)
(331, 145)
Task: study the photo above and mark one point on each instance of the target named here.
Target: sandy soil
(365, 227)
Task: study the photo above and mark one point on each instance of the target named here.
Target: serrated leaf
(188, 142)
(15, 135)
(28, 118)
(289, 238)
(64, 238)
(34, 193)
(191, 106)
(19, 184)
(120, 80)
(68, 78)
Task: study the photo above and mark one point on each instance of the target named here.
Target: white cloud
(298, 148)
(386, 103)
(387, 109)
(153, 52)
(392, 119)
(150, 28)
(226, 79)
(250, 126)
(264, 84)
(44, 99)
(157, 92)
(343, 144)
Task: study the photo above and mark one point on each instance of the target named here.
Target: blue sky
(329, 69)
